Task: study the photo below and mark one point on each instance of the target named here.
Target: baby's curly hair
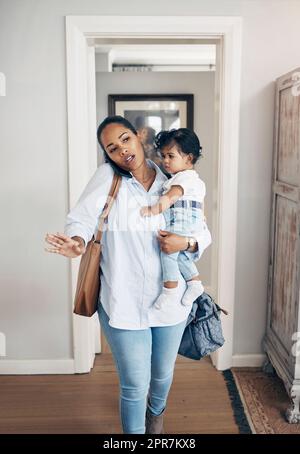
(185, 138)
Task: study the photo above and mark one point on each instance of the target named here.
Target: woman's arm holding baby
(171, 242)
(164, 202)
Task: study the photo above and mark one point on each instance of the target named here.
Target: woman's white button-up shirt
(131, 274)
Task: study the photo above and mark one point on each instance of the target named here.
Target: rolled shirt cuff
(203, 240)
(76, 232)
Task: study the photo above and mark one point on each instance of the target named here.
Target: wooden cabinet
(282, 339)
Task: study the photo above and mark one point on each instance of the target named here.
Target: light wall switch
(2, 85)
(2, 344)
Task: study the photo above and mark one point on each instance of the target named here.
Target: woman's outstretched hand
(64, 245)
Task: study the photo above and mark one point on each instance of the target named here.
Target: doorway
(83, 35)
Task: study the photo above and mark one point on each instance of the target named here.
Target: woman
(144, 340)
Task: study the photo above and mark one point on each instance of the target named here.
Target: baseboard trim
(248, 360)
(36, 366)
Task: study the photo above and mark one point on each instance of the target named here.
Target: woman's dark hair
(121, 121)
(185, 138)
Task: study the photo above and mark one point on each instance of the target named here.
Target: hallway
(88, 403)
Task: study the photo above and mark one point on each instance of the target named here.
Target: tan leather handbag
(88, 280)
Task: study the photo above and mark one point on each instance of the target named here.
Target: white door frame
(82, 145)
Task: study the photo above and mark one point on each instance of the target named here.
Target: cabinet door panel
(284, 295)
(289, 137)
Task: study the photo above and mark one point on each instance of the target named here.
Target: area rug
(264, 400)
(236, 403)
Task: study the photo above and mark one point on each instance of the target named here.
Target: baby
(182, 204)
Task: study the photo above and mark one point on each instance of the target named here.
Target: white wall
(202, 86)
(35, 286)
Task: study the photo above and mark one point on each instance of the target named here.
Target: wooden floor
(89, 403)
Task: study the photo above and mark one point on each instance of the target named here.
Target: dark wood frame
(188, 98)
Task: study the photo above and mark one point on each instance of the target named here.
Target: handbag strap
(215, 309)
(107, 207)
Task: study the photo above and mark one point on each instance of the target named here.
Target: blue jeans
(174, 264)
(182, 220)
(142, 358)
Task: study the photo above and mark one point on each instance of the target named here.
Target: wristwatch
(191, 242)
